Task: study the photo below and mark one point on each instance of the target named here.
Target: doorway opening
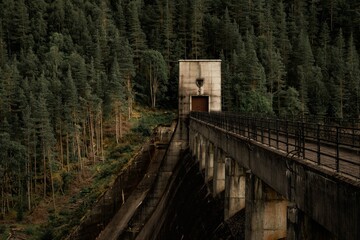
(200, 103)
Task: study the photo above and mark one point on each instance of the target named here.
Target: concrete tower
(199, 86)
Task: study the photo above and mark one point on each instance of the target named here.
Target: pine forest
(70, 69)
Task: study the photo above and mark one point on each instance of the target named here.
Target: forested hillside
(67, 67)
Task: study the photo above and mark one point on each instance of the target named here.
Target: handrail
(329, 145)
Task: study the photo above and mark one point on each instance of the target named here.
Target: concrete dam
(171, 201)
(212, 175)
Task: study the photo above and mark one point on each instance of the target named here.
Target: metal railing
(330, 145)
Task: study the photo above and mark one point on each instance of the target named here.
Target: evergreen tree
(197, 23)
(226, 85)
(72, 119)
(352, 84)
(229, 34)
(323, 57)
(312, 19)
(241, 11)
(137, 37)
(156, 74)
(119, 18)
(127, 71)
(338, 76)
(281, 33)
(57, 16)
(183, 27)
(168, 33)
(37, 10)
(117, 91)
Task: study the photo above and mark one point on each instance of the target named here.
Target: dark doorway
(200, 103)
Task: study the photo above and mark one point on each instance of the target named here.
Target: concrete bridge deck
(312, 190)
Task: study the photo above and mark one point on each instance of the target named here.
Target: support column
(203, 147)
(209, 166)
(300, 226)
(265, 211)
(192, 141)
(234, 188)
(219, 172)
(198, 148)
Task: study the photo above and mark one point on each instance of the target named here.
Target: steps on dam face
(140, 205)
(155, 195)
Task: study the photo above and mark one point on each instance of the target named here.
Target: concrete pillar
(219, 172)
(198, 148)
(194, 144)
(203, 147)
(234, 188)
(265, 211)
(192, 137)
(209, 165)
(300, 226)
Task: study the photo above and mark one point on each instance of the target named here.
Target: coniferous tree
(137, 37)
(338, 75)
(57, 16)
(71, 114)
(183, 27)
(127, 71)
(156, 74)
(312, 19)
(37, 11)
(229, 34)
(352, 84)
(119, 18)
(283, 56)
(281, 32)
(118, 95)
(168, 33)
(323, 57)
(197, 23)
(226, 85)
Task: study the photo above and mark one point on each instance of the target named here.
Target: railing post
(287, 136)
(303, 138)
(277, 132)
(337, 149)
(318, 143)
(254, 122)
(353, 133)
(298, 138)
(262, 130)
(269, 132)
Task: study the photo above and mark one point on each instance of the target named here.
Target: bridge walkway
(323, 148)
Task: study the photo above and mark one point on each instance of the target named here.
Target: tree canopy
(66, 67)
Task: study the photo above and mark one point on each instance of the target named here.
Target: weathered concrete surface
(122, 217)
(234, 188)
(107, 204)
(120, 221)
(189, 71)
(265, 211)
(153, 221)
(209, 164)
(327, 198)
(219, 172)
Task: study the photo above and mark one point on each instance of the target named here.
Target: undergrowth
(117, 156)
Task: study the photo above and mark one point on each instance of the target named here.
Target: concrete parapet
(325, 197)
